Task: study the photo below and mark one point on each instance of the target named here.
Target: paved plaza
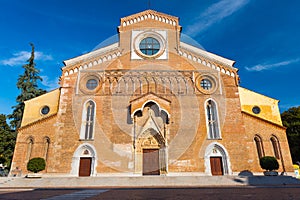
(205, 193)
(151, 187)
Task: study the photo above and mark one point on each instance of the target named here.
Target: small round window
(149, 46)
(45, 110)
(256, 110)
(206, 84)
(91, 84)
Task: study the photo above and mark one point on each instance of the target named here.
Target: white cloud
(50, 84)
(272, 65)
(20, 58)
(214, 14)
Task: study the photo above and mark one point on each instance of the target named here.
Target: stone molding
(91, 60)
(214, 63)
(42, 120)
(140, 82)
(149, 14)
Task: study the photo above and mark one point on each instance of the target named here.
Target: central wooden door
(151, 162)
(85, 166)
(216, 165)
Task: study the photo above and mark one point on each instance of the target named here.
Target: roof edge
(259, 94)
(150, 11)
(257, 117)
(209, 55)
(88, 55)
(42, 95)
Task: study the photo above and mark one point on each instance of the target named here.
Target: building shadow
(246, 177)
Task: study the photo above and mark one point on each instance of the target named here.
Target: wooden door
(85, 166)
(151, 162)
(216, 166)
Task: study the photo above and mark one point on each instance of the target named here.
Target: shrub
(36, 165)
(269, 163)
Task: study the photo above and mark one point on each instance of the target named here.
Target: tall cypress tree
(7, 142)
(27, 83)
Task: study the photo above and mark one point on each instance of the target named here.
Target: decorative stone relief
(136, 83)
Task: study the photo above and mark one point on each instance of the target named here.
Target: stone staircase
(145, 181)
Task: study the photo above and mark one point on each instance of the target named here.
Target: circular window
(206, 84)
(256, 110)
(91, 84)
(149, 46)
(45, 110)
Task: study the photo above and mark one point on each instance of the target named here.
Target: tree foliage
(291, 120)
(28, 85)
(7, 142)
(269, 163)
(36, 165)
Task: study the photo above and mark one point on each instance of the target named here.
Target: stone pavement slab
(145, 181)
(205, 193)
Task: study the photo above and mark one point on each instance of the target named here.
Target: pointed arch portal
(151, 153)
(84, 161)
(150, 143)
(217, 160)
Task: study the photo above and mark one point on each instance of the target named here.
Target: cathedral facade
(150, 102)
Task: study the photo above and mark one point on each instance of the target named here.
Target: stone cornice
(90, 55)
(208, 59)
(267, 121)
(91, 59)
(37, 122)
(149, 14)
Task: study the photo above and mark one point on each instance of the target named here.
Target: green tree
(269, 163)
(7, 142)
(28, 85)
(291, 120)
(36, 165)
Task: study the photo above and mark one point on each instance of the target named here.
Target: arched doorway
(85, 166)
(84, 161)
(150, 153)
(150, 129)
(216, 160)
(216, 166)
(151, 162)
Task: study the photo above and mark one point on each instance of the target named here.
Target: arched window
(275, 144)
(212, 120)
(259, 146)
(46, 147)
(29, 148)
(88, 121)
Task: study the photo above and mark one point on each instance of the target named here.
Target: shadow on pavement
(246, 177)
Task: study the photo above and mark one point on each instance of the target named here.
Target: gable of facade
(149, 104)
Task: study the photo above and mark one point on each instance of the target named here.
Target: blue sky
(262, 36)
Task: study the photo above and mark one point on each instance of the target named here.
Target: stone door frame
(217, 150)
(85, 150)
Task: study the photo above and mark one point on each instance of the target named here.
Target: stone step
(144, 181)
